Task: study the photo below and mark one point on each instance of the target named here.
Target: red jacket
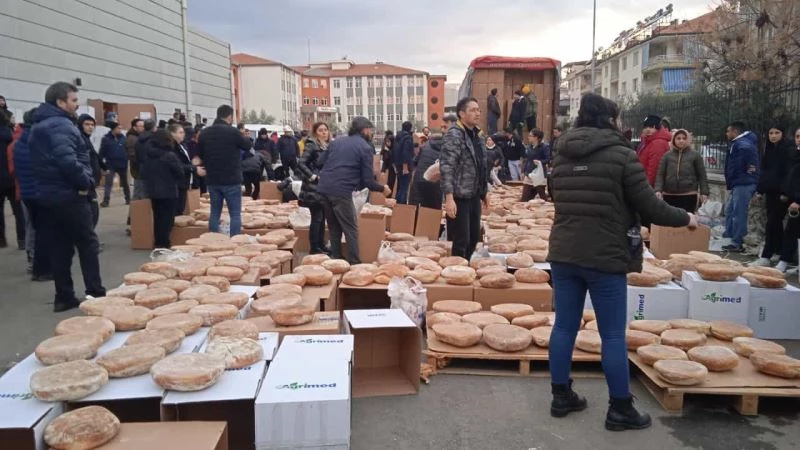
(655, 147)
(10, 156)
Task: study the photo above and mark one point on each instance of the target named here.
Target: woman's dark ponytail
(597, 112)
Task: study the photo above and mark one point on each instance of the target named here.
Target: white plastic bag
(710, 208)
(167, 255)
(433, 173)
(537, 175)
(410, 296)
(386, 255)
(300, 218)
(360, 199)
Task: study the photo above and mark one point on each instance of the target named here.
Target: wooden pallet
(499, 364)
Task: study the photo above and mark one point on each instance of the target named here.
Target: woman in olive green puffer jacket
(681, 176)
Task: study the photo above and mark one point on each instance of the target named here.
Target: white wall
(123, 51)
(261, 89)
(633, 72)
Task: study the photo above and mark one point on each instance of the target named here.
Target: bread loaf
(726, 331)
(188, 323)
(746, 346)
(294, 316)
(198, 291)
(459, 307)
(388, 271)
(358, 278)
(503, 248)
(68, 381)
(187, 371)
(87, 325)
(718, 272)
(776, 365)
(519, 260)
(539, 256)
(155, 297)
(176, 285)
(398, 237)
(128, 318)
(169, 338)
(459, 275)
(763, 281)
(234, 261)
(589, 341)
(163, 268)
(766, 271)
(448, 261)
(649, 354)
(237, 352)
(142, 278)
(683, 339)
(265, 305)
(716, 358)
(479, 263)
(643, 279)
(681, 373)
(68, 347)
(483, 318)
(512, 310)
(315, 275)
(182, 306)
(531, 275)
(131, 360)
(291, 278)
(532, 244)
(506, 338)
(498, 281)
(234, 328)
(441, 317)
(336, 266)
(651, 326)
(237, 299)
(530, 321)
(83, 428)
(273, 289)
(541, 336)
(214, 313)
(423, 275)
(220, 282)
(691, 324)
(127, 291)
(458, 334)
(226, 272)
(314, 260)
(635, 339)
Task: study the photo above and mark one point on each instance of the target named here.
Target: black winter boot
(623, 416)
(565, 400)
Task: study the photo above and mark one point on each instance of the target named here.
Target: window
(625, 62)
(337, 101)
(349, 82)
(284, 105)
(337, 84)
(283, 85)
(378, 100)
(397, 117)
(624, 88)
(306, 101)
(371, 100)
(372, 117)
(305, 82)
(315, 83)
(378, 82)
(315, 101)
(358, 82)
(379, 117)
(358, 100)
(389, 82)
(635, 59)
(324, 83)
(434, 84)
(370, 82)
(635, 85)
(324, 101)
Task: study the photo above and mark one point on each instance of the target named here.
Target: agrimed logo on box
(713, 297)
(319, 341)
(639, 313)
(296, 386)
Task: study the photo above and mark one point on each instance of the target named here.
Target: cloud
(438, 37)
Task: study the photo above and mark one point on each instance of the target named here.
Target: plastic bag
(433, 173)
(711, 208)
(167, 255)
(537, 177)
(360, 199)
(386, 255)
(410, 296)
(300, 218)
(480, 252)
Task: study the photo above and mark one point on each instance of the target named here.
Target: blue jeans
(609, 293)
(736, 212)
(515, 170)
(403, 182)
(233, 197)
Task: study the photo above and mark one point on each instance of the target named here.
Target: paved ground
(453, 412)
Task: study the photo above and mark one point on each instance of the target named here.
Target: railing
(666, 61)
(713, 153)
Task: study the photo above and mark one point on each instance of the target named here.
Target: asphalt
(453, 411)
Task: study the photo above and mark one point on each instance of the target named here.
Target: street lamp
(594, 34)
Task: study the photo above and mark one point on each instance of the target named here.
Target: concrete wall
(123, 51)
(261, 89)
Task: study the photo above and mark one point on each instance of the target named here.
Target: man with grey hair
(348, 169)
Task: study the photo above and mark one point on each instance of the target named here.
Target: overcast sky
(439, 37)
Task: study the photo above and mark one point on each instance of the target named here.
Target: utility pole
(186, 58)
(594, 35)
(309, 51)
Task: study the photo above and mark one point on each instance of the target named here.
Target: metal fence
(713, 153)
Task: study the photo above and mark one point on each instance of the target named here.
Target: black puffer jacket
(164, 170)
(310, 165)
(428, 155)
(775, 166)
(791, 183)
(462, 163)
(600, 190)
(6, 137)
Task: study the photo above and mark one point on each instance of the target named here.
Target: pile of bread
(256, 214)
(679, 351)
(82, 429)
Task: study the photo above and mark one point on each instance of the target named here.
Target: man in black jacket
(493, 111)
(266, 148)
(288, 149)
(139, 185)
(403, 155)
(423, 192)
(518, 111)
(220, 150)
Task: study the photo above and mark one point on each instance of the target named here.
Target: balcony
(661, 62)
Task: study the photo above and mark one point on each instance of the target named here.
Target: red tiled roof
(358, 70)
(245, 59)
(701, 24)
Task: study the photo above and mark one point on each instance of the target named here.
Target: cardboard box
(539, 296)
(179, 235)
(440, 290)
(141, 212)
(305, 347)
(170, 436)
(363, 297)
(23, 417)
(773, 313)
(303, 245)
(386, 357)
(192, 201)
(712, 300)
(323, 323)
(403, 219)
(371, 231)
(377, 198)
(231, 400)
(665, 302)
(665, 241)
(304, 405)
(269, 191)
(429, 222)
(322, 297)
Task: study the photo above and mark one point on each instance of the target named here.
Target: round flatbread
(691, 324)
(131, 360)
(68, 347)
(198, 291)
(589, 341)
(83, 428)
(498, 281)
(87, 325)
(716, 358)
(237, 352)
(530, 321)
(189, 323)
(213, 314)
(219, 282)
(96, 306)
(68, 381)
(458, 334)
(290, 278)
(266, 305)
(187, 371)
(726, 331)
(128, 318)
(512, 310)
(168, 338)
(234, 328)
(650, 326)
(541, 336)
(336, 266)
(746, 346)
(460, 307)
(291, 317)
(681, 373)
(142, 278)
(175, 284)
(683, 339)
(315, 275)
(483, 318)
(162, 268)
(127, 291)
(279, 289)
(237, 299)
(179, 307)
(359, 278)
(649, 354)
(506, 338)
(635, 339)
(776, 365)
(531, 275)
(432, 319)
(155, 297)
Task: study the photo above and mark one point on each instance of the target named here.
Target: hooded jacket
(95, 161)
(112, 151)
(741, 163)
(791, 183)
(775, 166)
(403, 151)
(654, 147)
(681, 172)
(59, 155)
(164, 170)
(23, 169)
(600, 190)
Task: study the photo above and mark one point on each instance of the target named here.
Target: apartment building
(263, 84)
(578, 79)
(316, 97)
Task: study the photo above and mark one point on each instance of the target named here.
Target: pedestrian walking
(741, 178)
(492, 111)
(347, 169)
(165, 174)
(309, 168)
(681, 180)
(600, 190)
(403, 159)
(60, 158)
(219, 153)
(538, 151)
(115, 157)
(464, 178)
(7, 183)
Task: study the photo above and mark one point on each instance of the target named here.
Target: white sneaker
(760, 262)
(775, 259)
(782, 266)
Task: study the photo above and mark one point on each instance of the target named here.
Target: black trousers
(776, 211)
(316, 232)
(392, 178)
(95, 207)
(19, 218)
(465, 230)
(341, 216)
(163, 220)
(789, 241)
(180, 203)
(530, 122)
(426, 194)
(530, 192)
(686, 202)
(123, 182)
(69, 225)
(41, 244)
(252, 184)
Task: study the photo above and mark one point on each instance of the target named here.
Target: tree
(262, 116)
(243, 115)
(252, 117)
